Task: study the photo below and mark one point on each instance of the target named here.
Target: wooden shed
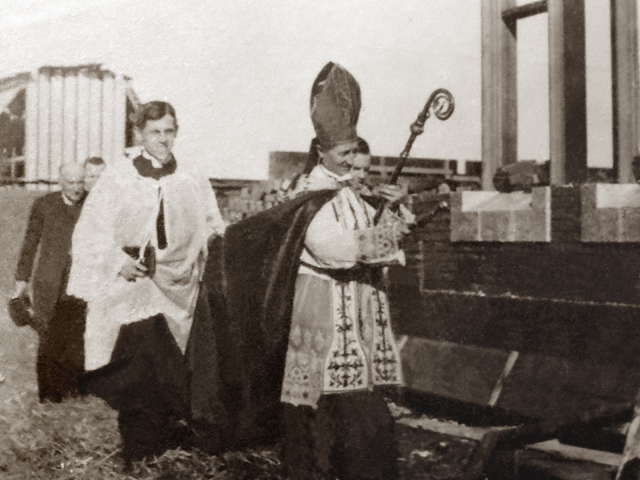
(59, 115)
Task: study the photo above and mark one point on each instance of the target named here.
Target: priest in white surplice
(139, 251)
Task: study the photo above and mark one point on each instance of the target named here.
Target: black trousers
(60, 359)
(166, 399)
(349, 437)
(147, 381)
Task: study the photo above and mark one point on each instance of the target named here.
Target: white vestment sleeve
(332, 247)
(328, 244)
(96, 258)
(215, 223)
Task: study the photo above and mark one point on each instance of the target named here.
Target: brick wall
(569, 309)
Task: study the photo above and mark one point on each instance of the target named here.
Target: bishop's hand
(392, 194)
(132, 270)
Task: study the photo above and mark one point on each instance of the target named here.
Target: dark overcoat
(47, 243)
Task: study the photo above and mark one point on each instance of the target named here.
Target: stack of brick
(248, 201)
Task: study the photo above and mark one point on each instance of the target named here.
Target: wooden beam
(524, 11)
(499, 90)
(567, 92)
(624, 60)
(44, 125)
(70, 109)
(120, 117)
(31, 130)
(56, 123)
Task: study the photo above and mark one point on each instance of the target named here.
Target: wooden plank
(83, 103)
(44, 125)
(578, 453)
(624, 59)
(494, 454)
(499, 90)
(56, 140)
(524, 11)
(567, 92)
(450, 370)
(558, 388)
(70, 117)
(547, 465)
(95, 113)
(120, 118)
(108, 116)
(31, 130)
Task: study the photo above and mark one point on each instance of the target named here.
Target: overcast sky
(239, 72)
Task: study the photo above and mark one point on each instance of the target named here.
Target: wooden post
(120, 117)
(31, 130)
(95, 113)
(499, 90)
(56, 124)
(624, 60)
(567, 92)
(44, 124)
(108, 110)
(82, 124)
(70, 118)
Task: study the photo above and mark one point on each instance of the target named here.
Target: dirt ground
(79, 440)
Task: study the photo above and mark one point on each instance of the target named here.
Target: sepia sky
(239, 72)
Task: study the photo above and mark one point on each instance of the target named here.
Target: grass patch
(79, 439)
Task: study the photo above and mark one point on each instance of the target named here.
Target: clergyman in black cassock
(59, 318)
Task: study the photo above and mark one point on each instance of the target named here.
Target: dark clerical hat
(19, 311)
(335, 106)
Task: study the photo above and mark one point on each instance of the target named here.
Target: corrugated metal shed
(69, 114)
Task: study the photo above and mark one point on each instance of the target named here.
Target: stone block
(467, 226)
(610, 212)
(607, 224)
(630, 223)
(496, 226)
(526, 225)
(501, 217)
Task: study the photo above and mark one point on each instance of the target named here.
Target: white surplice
(341, 338)
(122, 210)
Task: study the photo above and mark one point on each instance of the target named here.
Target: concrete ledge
(501, 217)
(610, 212)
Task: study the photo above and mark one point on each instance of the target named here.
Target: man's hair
(94, 161)
(153, 111)
(66, 167)
(363, 147)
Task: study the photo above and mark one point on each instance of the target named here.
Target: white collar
(154, 161)
(338, 178)
(67, 200)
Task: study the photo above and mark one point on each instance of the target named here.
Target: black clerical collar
(146, 169)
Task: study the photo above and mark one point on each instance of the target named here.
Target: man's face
(339, 159)
(157, 137)
(92, 173)
(72, 182)
(361, 167)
